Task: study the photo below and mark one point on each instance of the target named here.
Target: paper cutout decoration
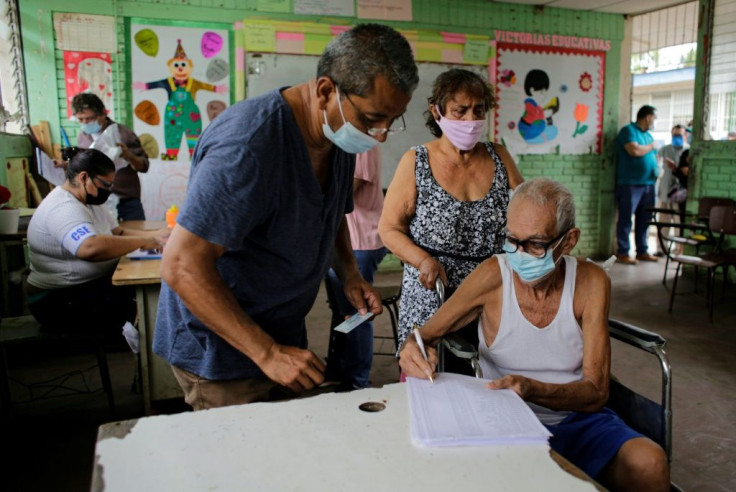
(149, 145)
(214, 108)
(147, 41)
(88, 72)
(148, 112)
(217, 69)
(211, 44)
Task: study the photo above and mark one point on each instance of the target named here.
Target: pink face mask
(463, 134)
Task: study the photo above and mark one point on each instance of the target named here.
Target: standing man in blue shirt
(271, 182)
(636, 174)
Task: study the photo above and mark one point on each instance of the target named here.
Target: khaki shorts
(202, 393)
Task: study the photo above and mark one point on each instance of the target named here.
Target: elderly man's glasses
(535, 248)
(395, 127)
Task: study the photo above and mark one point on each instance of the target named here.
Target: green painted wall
(591, 177)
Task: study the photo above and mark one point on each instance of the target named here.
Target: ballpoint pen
(418, 336)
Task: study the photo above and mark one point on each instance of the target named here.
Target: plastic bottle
(171, 216)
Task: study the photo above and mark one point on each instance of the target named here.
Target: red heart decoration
(102, 87)
(195, 116)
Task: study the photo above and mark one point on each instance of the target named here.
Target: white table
(323, 443)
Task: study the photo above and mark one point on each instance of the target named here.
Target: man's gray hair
(356, 57)
(544, 191)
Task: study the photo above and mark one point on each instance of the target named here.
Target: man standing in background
(351, 355)
(89, 111)
(636, 174)
(670, 157)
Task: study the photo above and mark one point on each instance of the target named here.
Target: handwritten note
(325, 7)
(476, 51)
(399, 10)
(259, 36)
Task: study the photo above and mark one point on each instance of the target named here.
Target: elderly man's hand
(412, 361)
(519, 384)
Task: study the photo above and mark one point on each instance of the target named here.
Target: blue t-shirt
(635, 170)
(253, 190)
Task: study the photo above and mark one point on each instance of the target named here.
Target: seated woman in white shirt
(75, 244)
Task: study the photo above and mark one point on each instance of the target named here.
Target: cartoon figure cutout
(536, 124)
(182, 116)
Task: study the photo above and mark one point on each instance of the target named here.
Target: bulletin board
(281, 53)
(549, 98)
(266, 71)
(180, 81)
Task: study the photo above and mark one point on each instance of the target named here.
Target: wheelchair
(650, 418)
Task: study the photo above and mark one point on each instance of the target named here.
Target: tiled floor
(51, 442)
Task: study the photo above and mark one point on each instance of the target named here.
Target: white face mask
(653, 125)
(347, 137)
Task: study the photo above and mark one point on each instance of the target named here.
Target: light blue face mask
(530, 268)
(347, 137)
(90, 128)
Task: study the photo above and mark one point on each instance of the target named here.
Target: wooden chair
(25, 330)
(721, 223)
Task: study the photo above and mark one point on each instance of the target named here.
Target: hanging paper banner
(85, 71)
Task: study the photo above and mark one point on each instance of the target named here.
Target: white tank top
(553, 354)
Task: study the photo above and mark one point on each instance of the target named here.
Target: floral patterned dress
(460, 235)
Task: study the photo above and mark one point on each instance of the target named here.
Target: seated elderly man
(543, 331)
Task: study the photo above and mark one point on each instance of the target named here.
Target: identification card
(349, 324)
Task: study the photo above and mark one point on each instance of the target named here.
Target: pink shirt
(368, 202)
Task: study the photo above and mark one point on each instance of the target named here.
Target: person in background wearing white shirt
(75, 244)
(669, 156)
(351, 355)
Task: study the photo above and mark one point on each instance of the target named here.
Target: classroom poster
(549, 97)
(180, 79)
(85, 71)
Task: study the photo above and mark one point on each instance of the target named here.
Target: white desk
(324, 443)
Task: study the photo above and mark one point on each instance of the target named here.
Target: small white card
(349, 324)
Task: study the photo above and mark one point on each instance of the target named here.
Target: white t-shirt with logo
(57, 229)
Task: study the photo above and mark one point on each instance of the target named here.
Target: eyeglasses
(105, 184)
(535, 248)
(377, 132)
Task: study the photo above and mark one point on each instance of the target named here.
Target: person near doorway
(636, 175)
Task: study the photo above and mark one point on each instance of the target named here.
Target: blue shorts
(590, 440)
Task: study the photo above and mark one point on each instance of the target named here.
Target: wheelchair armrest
(459, 346)
(635, 336)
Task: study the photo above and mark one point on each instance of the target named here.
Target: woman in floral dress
(445, 210)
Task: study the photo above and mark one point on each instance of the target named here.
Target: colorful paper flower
(508, 77)
(580, 113)
(586, 82)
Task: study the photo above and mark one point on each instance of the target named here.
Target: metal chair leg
(105, 375)
(674, 287)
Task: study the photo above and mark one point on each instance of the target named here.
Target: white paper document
(459, 410)
(54, 175)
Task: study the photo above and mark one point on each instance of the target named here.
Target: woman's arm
(103, 248)
(512, 171)
(399, 207)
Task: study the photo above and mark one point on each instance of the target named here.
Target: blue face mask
(90, 128)
(677, 140)
(530, 268)
(348, 138)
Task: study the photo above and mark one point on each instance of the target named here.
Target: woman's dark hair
(91, 160)
(536, 79)
(449, 83)
(87, 100)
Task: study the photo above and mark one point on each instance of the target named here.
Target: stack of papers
(459, 410)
